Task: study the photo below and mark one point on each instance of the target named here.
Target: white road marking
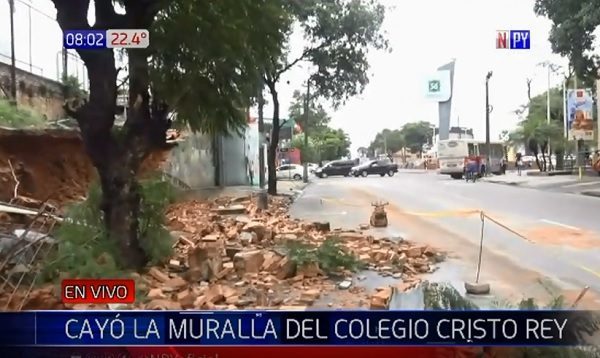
(560, 224)
(582, 184)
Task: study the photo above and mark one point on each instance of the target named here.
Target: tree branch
(72, 14)
(305, 53)
(106, 17)
(283, 123)
(145, 11)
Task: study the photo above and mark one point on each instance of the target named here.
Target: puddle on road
(450, 272)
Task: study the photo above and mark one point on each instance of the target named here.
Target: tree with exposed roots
(204, 63)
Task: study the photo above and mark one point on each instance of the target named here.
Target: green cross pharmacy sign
(437, 86)
(434, 86)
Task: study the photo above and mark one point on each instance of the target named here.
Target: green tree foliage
(19, 117)
(204, 62)
(416, 134)
(338, 36)
(209, 57)
(572, 33)
(326, 144)
(85, 251)
(412, 136)
(392, 140)
(318, 118)
(73, 89)
(536, 133)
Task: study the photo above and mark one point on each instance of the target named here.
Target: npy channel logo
(513, 39)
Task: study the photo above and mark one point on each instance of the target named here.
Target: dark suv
(336, 167)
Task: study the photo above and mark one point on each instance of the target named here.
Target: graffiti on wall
(251, 141)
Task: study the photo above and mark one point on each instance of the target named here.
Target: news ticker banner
(283, 328)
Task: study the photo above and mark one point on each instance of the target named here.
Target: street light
(487, 120)
(552, 68)
(306, 115)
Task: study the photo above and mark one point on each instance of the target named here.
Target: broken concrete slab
(231, 210)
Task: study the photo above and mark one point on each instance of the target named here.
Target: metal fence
(38, 41)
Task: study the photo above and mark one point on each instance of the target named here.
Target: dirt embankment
(50, 165)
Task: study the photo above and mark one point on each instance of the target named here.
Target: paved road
(563, 230)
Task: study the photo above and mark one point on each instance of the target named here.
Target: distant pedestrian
(503, 166)
(519, 163)
(596, 161)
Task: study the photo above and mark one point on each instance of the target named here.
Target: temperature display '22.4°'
(112, 38)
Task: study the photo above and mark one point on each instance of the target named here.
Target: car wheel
(323, 175)
(364, 173)
(297, 177)
(391, 173)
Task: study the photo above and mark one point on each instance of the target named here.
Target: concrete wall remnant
(43, 95)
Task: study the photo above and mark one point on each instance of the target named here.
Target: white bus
(452, 154)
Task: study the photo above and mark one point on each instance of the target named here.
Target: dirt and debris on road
(230, 255)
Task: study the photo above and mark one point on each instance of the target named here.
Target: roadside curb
(595, 194)
(295, 193)
(512, 183)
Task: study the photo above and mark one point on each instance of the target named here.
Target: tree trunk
(544, 162)
(274, 143)
(117, 153)
(121, 206)
(560, 159)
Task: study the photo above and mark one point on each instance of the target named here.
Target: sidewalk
(512, 178)
(284, 187)
(589, 185)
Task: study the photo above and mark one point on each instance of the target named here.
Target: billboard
(438, 86)
(580, 105)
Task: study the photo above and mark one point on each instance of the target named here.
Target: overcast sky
(423, 34)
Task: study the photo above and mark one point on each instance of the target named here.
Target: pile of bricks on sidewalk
(230, 255)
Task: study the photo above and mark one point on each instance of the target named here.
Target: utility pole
(487, 121)
(385, 150)
(13, 60)
(564, 106)
(263, 201)
(306, 114)
(30, 54)
(598, 109)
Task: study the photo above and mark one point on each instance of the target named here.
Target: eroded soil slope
(50, 165)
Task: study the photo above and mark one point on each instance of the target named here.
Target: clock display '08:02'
(101, 39)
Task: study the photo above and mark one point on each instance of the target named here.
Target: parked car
(312, 167)
(290, 171)
(336, 167)
(381, 167)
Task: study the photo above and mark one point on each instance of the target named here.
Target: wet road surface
(560, 254)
